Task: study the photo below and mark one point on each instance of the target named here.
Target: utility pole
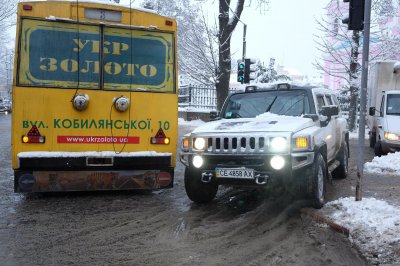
(363, 99)
(244, 41)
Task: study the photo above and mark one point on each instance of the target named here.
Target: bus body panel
(98, 148)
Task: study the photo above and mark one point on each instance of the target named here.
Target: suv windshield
(290, 103)
(393, 104)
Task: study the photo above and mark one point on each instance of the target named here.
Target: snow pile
(388, 164)
(374, 226)
(194, 123)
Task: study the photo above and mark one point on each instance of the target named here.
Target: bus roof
(100, 2)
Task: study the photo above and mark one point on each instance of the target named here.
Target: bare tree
(7, 20)
(340, 49)
(199, 52)
(228, 19)
(197, 42)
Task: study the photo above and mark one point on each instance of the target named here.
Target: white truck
(384, 107)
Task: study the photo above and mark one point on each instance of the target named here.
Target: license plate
(234, 173)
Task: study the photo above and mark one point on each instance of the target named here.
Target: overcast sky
(285, 31)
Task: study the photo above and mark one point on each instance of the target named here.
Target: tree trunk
(224, 76)
(226, 27)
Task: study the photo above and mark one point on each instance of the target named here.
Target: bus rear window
(68, 55)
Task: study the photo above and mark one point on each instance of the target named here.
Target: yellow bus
(95, 103)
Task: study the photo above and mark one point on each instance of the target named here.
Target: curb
(320, 218)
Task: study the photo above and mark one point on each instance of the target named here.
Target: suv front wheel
(318, 182)
(196, 190)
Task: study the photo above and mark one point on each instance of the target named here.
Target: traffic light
(240, 73)
(248, 69)
(355, 20)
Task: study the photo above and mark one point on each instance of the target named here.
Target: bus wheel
(198, 191)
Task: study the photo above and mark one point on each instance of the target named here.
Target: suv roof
(279, 86)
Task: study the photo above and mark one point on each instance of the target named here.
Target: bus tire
(196, 190)
(318, 182)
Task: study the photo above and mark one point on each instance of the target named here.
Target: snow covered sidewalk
(374, 224)
(374, 227)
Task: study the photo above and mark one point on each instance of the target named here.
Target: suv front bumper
(295, 165)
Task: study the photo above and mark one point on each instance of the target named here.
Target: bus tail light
(33, 136)
(155, 140)
(169, 22)
(160, 138)
(33, 139)
(164, 178)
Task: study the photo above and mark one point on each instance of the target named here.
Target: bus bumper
(76, 172)
(57, 181)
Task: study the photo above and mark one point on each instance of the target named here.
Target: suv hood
(263, 123)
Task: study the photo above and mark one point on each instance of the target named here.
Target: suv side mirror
(330, 110)
(327, 112)
(372, 111)
(214, 115)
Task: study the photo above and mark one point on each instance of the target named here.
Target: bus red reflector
(155, 140)
(169, 22)
(33, 139)
(160, 138)
(164, 178)
(27, 7)
(33, 136)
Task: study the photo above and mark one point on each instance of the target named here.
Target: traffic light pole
(363, 99)
(244, 41)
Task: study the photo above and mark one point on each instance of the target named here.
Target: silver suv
(283, 134)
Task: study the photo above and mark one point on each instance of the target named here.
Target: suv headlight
(391, 136)
(278, 144)
(199, 144)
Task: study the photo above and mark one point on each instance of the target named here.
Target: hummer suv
(286, 134)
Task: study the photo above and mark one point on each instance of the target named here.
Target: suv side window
(329, 99)
(320, 102)
(336, 102)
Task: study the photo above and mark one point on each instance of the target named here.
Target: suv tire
(198, 191)
(318, 182)
(372, 139)
(343, 158)
(378, 149)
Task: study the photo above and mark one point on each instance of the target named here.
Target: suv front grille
(243, 144)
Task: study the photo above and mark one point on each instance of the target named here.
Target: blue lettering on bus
(59, 55)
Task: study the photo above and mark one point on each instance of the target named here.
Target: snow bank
(193, 123)
(388, 164)
(374, 226)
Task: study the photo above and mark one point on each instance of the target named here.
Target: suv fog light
(197, 161)
(277, 162)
